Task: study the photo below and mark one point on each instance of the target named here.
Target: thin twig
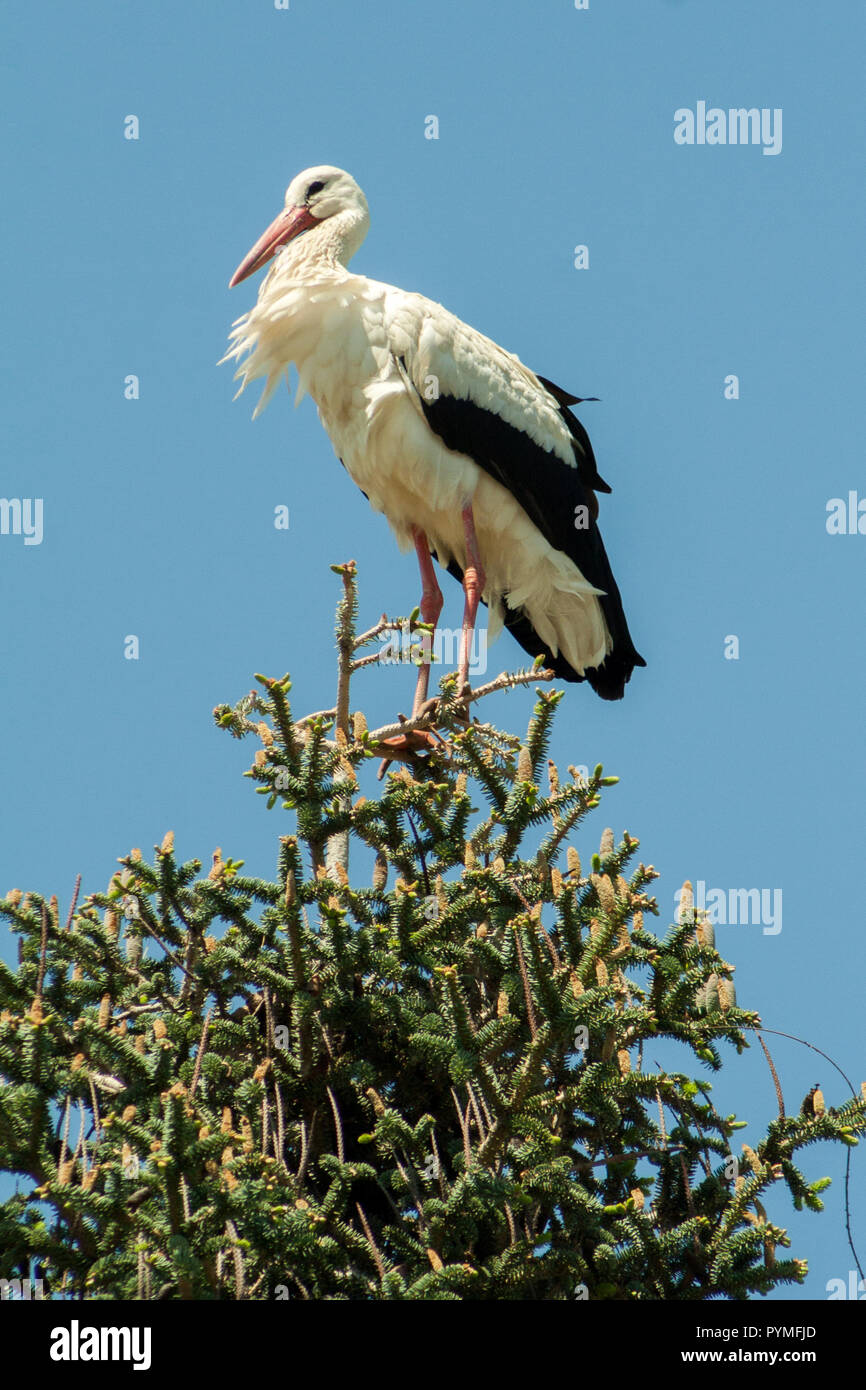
(64, 1143)
(337, 847)
(360, 662)
(775, 1075)
(81, 1146)
(527, 993)
(269, 1023)
(345, 644)
(383, 625)
(377, 1256)
(94, 1105)
(506, 680)
(464, 1125)
(487, 1114)
(200, 1053)
(281, 1130)
(134, 1009)
(318, 714)
(171, 955)
(72, 906)
(435, 1148)
(338, 1125)
(478, 1120)
(266, 1125)
(662, 1129)
(43, 949)
(689, 1198)
(231, 1232)
(306, 1148)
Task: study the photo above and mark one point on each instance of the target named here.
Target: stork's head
(323, 201)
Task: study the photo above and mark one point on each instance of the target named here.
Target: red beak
(290, 223)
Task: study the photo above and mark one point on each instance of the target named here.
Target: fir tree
(429, 1085)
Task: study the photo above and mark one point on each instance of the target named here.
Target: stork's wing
(483, 402)
(586, 466)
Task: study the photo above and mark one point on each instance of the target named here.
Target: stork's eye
(315, 187)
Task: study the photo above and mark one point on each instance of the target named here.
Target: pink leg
(431, 607)
(474, 580)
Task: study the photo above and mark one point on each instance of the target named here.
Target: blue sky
(556, 128)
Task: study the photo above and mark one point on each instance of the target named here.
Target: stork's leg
(431, 607)
(474, 580)
(407, 746)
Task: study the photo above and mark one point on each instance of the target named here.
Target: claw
(416, 746)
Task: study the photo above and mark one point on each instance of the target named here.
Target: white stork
(472, 457)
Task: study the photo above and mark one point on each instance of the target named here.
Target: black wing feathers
(585, 458)
(551, 493)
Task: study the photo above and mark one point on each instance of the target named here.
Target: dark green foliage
(431, 1087)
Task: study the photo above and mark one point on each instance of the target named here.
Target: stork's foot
(457, 706)
(416, 746)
